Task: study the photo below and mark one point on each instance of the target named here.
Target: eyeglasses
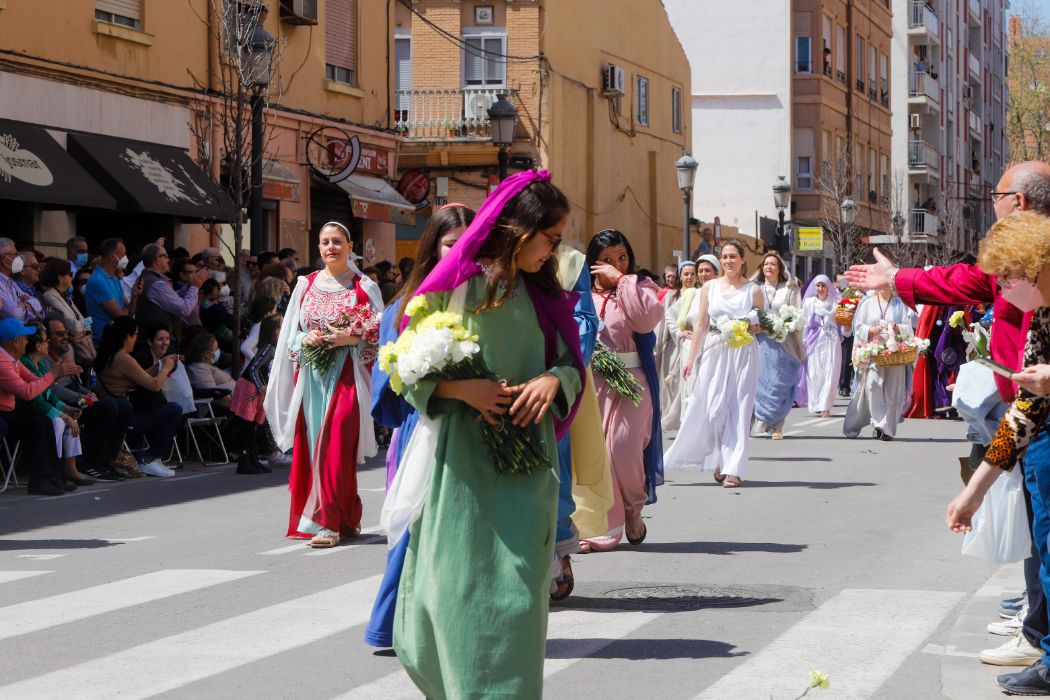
(555, 241)
(1006, 284)
(60, 334)
(253, 263)
(996, 196)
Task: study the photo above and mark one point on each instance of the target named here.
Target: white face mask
(17, 264)
(219, 276)
(224, 290)
(215, 355)
(122, 264)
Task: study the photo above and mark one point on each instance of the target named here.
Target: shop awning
(151, 178)
(373, 198)
(35, 168)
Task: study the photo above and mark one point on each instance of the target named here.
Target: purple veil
(555, 316)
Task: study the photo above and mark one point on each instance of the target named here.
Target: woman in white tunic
(677, 328)
(882, 392)
(822, 336)
(781, 362)
(717, 420)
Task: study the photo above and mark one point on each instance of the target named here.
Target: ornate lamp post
(256, 60)
(686, 167)
(503, 117)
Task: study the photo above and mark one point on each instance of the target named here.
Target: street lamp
(256, 60)
(686, 167)
(782, 200)
(502, 119)
(849, 211)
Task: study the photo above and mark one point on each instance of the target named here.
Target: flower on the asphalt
(819, 679)
(957, 319)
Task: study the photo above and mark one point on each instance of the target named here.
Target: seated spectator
(104, 294)
(157, 346)
(14, 302)
(120, 377)
(31, 428)
(29, 276)
(261, 308)
(77, 254)
(267, 258)
(274, 288)
(62, 416)
(215, 318)
(249, 418)
(207, 380)
(104, 421)
(56, 281)
(182, 271)
(80, 280)
(160, 302)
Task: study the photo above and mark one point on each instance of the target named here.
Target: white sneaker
(279, 459)
(156, 468)
(1016, 652)
(1009, 627)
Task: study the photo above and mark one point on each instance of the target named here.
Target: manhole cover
(699, 596)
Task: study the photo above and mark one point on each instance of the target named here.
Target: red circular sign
(414, 186)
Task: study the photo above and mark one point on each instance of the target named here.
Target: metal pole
(259, 238)
(504, 162)
(685, 231)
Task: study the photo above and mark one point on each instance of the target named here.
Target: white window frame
(641, 100)
(676, 110)
(402, 35)
(804, 178)
(483, 35)
(117, 19)
(798, 55)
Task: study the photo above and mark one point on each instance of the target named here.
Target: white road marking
(172, 662)
(592, 632)
(130, 539)
(378, 490)
(811, 421)
(345, 547)
(792, 432)
(40, 557)
(35, 615)
(827, 421)
(191, 476)
(859, 638)
(9, 576)
(297, 547)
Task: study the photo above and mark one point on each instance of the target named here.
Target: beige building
(103, 79)
(602, 109)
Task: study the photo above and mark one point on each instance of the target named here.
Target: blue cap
(11, 328)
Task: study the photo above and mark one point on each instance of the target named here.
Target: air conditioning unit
(299, 11)
(915, 121)
(612, 80)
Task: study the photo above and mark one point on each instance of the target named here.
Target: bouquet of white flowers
(781, 323)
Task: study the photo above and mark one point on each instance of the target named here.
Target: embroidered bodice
(322, 306)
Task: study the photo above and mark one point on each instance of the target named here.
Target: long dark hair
(447, 218)
(538, 207)
(607, 239)
(113, 336)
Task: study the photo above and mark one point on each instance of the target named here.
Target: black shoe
(63, 484)
(113, 475)
(246, 466)
(80, 481)
(878, 434)
(1034, 680)
(44, 488)
(100, 475)
(886, 437)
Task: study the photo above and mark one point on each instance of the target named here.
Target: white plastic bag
(178, 390)
(1000, 531)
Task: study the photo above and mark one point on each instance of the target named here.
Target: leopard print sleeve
(1028, 412)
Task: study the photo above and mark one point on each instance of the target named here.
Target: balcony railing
(975, 67)
(920, 16)
(840, 75)
(976, 125)
(923, 85)
(447, 114)
(922, 156)
(923, 224)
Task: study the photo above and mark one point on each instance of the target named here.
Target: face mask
(16, 265)
(219, 276)
(80, 289)
(1024, 295)
(224, 290)
(215, 355)
(122, 264)
(207, 304)
(82, 259)
(69, 293)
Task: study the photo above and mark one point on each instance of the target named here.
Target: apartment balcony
(974, 13)
(447, 115)
(923, 224)
(924, 91)
(975, 69)
(923, 159)
(923, 23)
(976, 126)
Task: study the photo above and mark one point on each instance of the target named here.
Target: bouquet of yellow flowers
(437, 345)
(735, 332)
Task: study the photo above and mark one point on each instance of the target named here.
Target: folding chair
(8, 463)
(198, 424)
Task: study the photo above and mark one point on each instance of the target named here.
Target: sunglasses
(996, 196)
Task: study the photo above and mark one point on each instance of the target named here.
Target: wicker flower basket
(902, 357)
(844, 316)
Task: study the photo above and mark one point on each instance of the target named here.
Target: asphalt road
(833, 556)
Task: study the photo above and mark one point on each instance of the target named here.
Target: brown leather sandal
(567, 582)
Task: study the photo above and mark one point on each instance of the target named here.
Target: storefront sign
(382, 212)
(275, 189)
(810, 238)
(415, 186)
(17, 162)
(373, 160)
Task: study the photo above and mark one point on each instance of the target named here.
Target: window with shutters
(676, 110)
(641, 100)
(858, 64)
(484, 59)
(803, 42)
(402, 75)
(840, 53)
(124, 13)
(340, 37)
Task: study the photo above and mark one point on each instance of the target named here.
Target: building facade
(108, 78)
(602, 109)
(949, 142)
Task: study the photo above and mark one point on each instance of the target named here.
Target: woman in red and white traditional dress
(324, 416)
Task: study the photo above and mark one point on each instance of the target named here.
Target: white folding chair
(205, 424)
(8, 463)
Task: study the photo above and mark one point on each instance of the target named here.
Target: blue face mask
(215, 355)
(82, 259)
(207, 304)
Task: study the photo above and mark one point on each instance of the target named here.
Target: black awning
(152, 178)
(35, 168)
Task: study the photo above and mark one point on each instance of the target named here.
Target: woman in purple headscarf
(471, 613)
(822, 337)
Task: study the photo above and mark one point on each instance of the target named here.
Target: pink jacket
(17, 382)
(967, 284)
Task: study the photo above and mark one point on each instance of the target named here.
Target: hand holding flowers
(359, 324)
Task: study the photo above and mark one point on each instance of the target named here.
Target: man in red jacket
(33, 429)
(1025, 186)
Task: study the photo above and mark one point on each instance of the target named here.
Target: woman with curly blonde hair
(1017, 250)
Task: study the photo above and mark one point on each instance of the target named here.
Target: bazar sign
(810, 238)
(17, 162)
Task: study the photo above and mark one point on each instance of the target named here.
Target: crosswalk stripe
(827, 421)
(9, 576)
(297, 547)
(589, 632)
(345, 547)
(811, 421)
(172, 662)
(42, 613)
(859, 638)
